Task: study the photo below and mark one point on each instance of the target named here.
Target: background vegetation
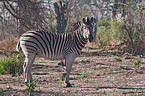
(12, 65)
(121, 23)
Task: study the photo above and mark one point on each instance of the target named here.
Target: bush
(12, 65)
(134, 26)
(109, 32)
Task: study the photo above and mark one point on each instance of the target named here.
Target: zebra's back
(49, 45)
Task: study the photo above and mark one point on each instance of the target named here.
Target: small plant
(62, 76)
(85, 74)
(118, 59)
(137, 64)
(30, 86)
(87, 81)
(97, 88)
(127, 95)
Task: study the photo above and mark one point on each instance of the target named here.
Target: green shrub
(1, 69)
(105, 23)
(109, 32)
(12, 65)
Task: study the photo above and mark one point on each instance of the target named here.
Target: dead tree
(123, 7)
(60, 10)
(115, 7)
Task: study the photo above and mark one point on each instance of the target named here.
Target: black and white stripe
(52, 45)
(55, 46)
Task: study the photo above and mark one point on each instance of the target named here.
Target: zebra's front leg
(68, 61)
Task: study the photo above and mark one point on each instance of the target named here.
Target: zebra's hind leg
(27, 67)
(68, 61)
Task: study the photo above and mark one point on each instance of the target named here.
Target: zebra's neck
(79, 42)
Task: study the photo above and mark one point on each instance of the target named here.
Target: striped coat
(52, 46)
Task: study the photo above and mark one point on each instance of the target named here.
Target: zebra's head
(91, 27)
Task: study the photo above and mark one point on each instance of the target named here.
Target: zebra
(56, 46)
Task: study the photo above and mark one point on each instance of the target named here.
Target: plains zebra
(55, 46)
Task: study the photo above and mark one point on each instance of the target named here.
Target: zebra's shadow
(98, 52)
(41, 69)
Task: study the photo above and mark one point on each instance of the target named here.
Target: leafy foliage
(12, 65)
(109, 32)
(134, 26)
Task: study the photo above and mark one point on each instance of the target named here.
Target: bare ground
(94, 73)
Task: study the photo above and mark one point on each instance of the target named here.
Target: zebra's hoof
(68, 85)
(26, 83)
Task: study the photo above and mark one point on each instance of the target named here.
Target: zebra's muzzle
(90, 38)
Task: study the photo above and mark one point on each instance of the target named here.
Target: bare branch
(13, 14)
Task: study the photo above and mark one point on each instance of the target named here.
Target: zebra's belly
(54, 57)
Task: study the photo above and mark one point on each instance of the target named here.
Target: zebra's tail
(18, 46)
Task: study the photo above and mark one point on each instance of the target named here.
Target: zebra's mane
(77, 28)
(81, 29)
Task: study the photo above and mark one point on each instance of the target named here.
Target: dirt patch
(93, 73)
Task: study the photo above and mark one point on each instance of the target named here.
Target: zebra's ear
(84, 21)
(88, 20)
(93, 20)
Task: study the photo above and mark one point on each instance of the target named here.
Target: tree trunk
(123, 11)
(60, 11)
(115, 7)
